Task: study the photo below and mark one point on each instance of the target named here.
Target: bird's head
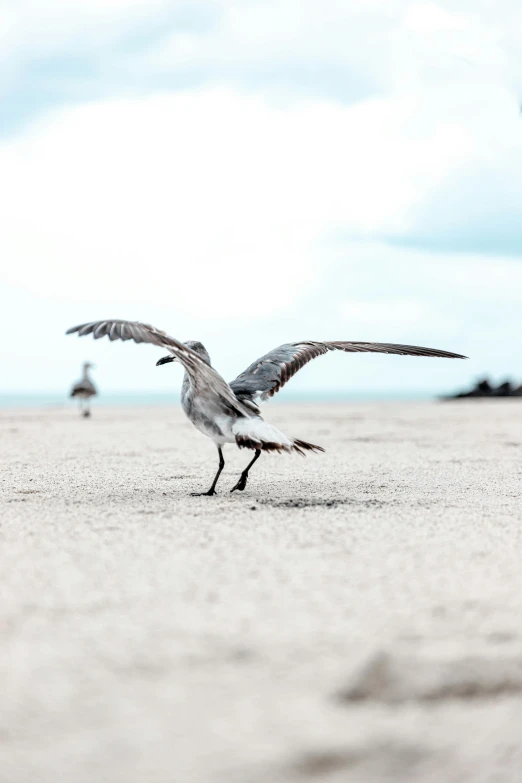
(196, 346)
(88, 366)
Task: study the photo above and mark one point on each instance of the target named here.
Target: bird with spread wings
(228, 412)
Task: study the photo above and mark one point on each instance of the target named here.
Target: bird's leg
(212, 490)
(241, 484)
(87, 409)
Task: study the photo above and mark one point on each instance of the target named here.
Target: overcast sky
(248, 173)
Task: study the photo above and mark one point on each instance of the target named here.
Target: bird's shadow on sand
(323, 502)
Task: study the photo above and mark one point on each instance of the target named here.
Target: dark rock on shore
(484, 389)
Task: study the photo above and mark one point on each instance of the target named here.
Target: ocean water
(58, 399)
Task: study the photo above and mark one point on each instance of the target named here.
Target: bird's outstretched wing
(270, 373)
(203, 377)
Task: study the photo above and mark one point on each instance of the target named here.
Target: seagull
(228, 412)
(84, 390)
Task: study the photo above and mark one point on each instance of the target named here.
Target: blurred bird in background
(83, 390)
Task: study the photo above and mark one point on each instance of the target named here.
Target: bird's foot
(241, 484)
(201, 494)
(86, 414)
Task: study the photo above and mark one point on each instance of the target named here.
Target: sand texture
(352, 616)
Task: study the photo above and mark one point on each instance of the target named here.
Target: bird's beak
(165, 360)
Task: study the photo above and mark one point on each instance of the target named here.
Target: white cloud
(398, 313)
(348, 50)
(481, 281)
(181, 197)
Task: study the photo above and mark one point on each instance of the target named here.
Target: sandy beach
(352, 616)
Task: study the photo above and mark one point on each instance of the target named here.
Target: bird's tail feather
(255, 433)
(300, 446)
